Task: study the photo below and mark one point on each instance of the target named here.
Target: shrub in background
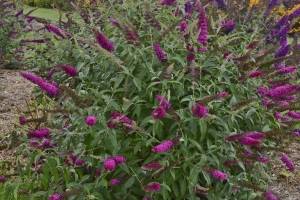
(163, 100)
(11, 54)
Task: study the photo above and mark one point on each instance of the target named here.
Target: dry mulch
(287, 187)
(14, 90)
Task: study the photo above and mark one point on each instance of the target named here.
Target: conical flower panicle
(152, 166)
(163, 147)
(151, 19)
(104, 42)
(199, 110)
(159, 52)
(270, 196)
(202, 25)
(167, 2)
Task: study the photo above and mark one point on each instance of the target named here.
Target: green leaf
(183, 186)
(84, 178)
(173, 174)
(137, 83)
(129, 182)
(118, 81)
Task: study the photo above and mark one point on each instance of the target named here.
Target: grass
(45, 13)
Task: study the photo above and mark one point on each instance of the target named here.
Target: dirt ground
(14, 90)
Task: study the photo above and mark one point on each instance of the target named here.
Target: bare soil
(14, 91)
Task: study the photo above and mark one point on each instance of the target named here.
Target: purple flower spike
(119, 159)
(223, 95)
(54, 30)
(198, 110)
(91, 120)
(221, 4)
(163, 102)
(248, 141)
(188, 6)
(55, 197)
(283, 51)
(19, 13)
(167, 2)
(255, 135)
(287, 161)
(49, 88)
(115, 181)
(152, 166)
(159, 113)
(249, 152)
(40, 133)
(2, 179)
(70, 71)
(255, 73)
(262, 91)
(270, 196)
(287, 70)
(97, 173)
(279, 116)
(104, 42)
(280, 91)
(219, 175)
(153, 187)
(109, 164)
(262, 159)
(163, 147)
(22, 120)
(294, 14)
(202, 25)
(159, 52)
(183, 27)
(32, 77)
(50, 74)
(293, 114)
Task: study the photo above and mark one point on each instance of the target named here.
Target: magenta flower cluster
(247, 138)
(91, 120)
(199, 110)
(104, 42)
(40, 133)
(159, 113)
(50, 88)
(228, 26)
(119, 119)
(55, 197)
(286, 160)
(281, 91)
(57, 31)
(270, 196)
(111, 162)
(152, 166)
(202, 25)
(153, 187)
(159, 52)
(219, 175)
(74, 161)
(163, 147)
(2, 179)
(167, 2)
(115, 181)
(163, 102)
(70, 71)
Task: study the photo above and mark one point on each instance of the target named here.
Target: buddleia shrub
(165, 100)
(11, 26)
